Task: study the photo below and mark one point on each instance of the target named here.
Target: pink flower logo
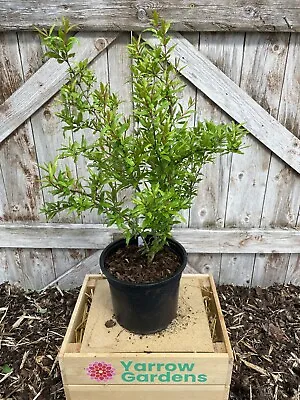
(100, 371)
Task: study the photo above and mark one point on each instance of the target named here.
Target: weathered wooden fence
(244, 224)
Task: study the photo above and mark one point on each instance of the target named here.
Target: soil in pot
(145, 297)
(130, 264)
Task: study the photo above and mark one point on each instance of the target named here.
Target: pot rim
(180, 250)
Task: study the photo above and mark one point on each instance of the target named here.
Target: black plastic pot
(149, 307)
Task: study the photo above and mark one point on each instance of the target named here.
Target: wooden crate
(191, 359)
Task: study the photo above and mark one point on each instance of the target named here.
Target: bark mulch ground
(264, 328)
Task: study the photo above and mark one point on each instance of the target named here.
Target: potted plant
(154, 153)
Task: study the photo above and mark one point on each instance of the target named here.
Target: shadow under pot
(144, 308)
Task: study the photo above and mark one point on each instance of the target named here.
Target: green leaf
(6, 369)
(140, 178)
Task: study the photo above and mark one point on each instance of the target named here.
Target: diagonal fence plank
(74, 276)
(233, 100)
(46, 82)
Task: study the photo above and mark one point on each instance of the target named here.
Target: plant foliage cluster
(154, 152)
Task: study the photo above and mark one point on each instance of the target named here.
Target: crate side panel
(77, 312)
(134, 392)
(138, 369)
(221, 319)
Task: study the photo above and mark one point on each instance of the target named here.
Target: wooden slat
(205, 264)
(234, 101)
(100, 68)
(213, 365)
(225, 50)
(293, 272)
(189, 92)
(46, 82)
(47, 132)
(147, 392)
(21, 198)
(90, 236)
(262, 78)
(124, 15)
(76, 317)
(56, 236)
(282, 204)
(4, 268)
(38, 269)
(269, 268)
(73, 276)
(222, 323)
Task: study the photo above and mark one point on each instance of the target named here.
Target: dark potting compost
(130, 264)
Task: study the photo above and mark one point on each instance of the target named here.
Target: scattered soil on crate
(263, 324)
(130, 264)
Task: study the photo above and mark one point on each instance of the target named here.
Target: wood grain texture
(137, 392)
(17, 156)
(47, 131)
(40, 266)
(262, 78)
(90, 236)
(100, 68)
(269, 268)
(30, 268)
(234, 101)
(282, 199)
(236, 269)
(293, 271)
(125, 15)
(189, 92)
(205, 264)
(46, 82)
(73, 276)
(225, 50)
(4, 267)
(19, 172)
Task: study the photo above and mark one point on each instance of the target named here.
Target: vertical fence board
(281, 206)
(209, 207)
(4, 267)
(20, 173)
(40, 269)
(119, 65)
(100, 67)
(17, 155)
(226, 52)
(189, 92)
(262, 77)
(48, 137)
(119, 71)
(205, 264)
(269, 268)
(293, 272)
